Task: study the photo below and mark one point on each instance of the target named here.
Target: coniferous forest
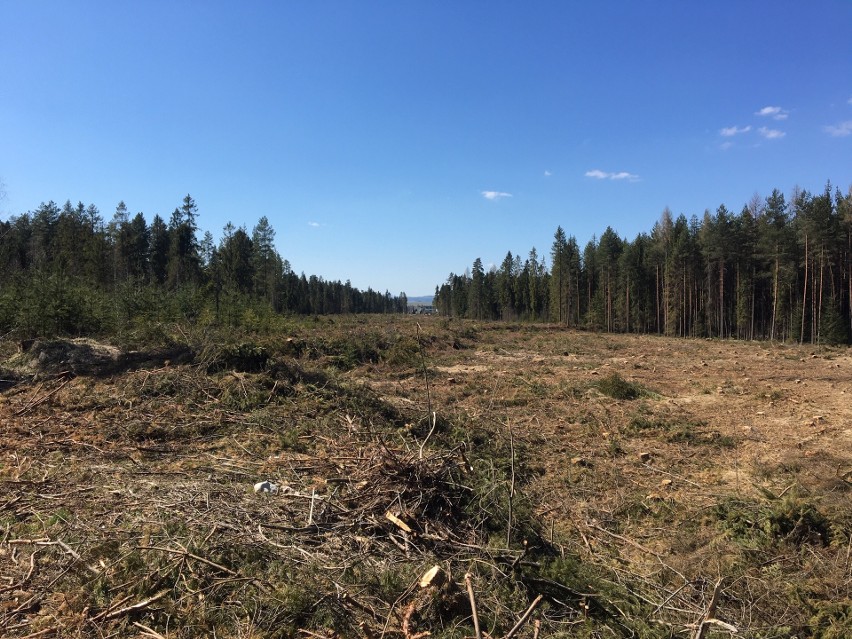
(66, 271)
(780, 269)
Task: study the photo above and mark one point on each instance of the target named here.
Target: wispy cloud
(774, 112)
(495, 195)
(547, 174)
(726, 145)
(840, 130)
(731, 131)
(316, 225)
(771, 134)
(598, 174)
(603, 175)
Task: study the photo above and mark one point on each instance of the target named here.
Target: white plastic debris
(266, 487)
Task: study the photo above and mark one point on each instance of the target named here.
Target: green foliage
(678, 430)
(789, 519)
(617, 387)
(832, 620)
(776, 270)
(404, 352)
(64, 272)
(348, 352)
(244, 357)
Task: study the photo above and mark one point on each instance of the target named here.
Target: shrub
(617, 387)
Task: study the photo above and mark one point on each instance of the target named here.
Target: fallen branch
(710, 615)
(14, 542)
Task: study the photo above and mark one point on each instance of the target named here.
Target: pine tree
(476, 291)
(267, 264)
(159, 254)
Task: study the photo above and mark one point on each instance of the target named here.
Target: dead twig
(186, 553)
(14, 542)
(524, 617)
(43, 398)
(639, 546)
(70, 551)
(511, 484)
(430, 414)
(41, 633)
(141, 605)
(148, 631)
(467, 582)
(16, 586)
(710, 614)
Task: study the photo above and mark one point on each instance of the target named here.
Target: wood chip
(397, 521)
(433, 576)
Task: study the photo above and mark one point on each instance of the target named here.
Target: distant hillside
(423, 299)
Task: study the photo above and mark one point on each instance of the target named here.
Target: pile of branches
(361, 531)
(383, 515)
(177, 544)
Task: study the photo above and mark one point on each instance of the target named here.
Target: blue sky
(391, 143)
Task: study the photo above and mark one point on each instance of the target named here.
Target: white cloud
(316, 225)
(774, 112)
(734, 130)
(841, 130)
(603, 175)
(771, 134)
(726, 145)
(495, 195)
(547, 174)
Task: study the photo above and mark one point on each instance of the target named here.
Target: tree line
(780, 269)
(65, 270)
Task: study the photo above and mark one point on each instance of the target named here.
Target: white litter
(266, 487)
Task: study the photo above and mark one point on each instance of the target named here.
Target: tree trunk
(657, 279)
(821, 291)
(722, 298)
(774, 297)
(804, 295)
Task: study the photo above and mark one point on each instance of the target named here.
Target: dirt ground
(118, 487)
(784, 406)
